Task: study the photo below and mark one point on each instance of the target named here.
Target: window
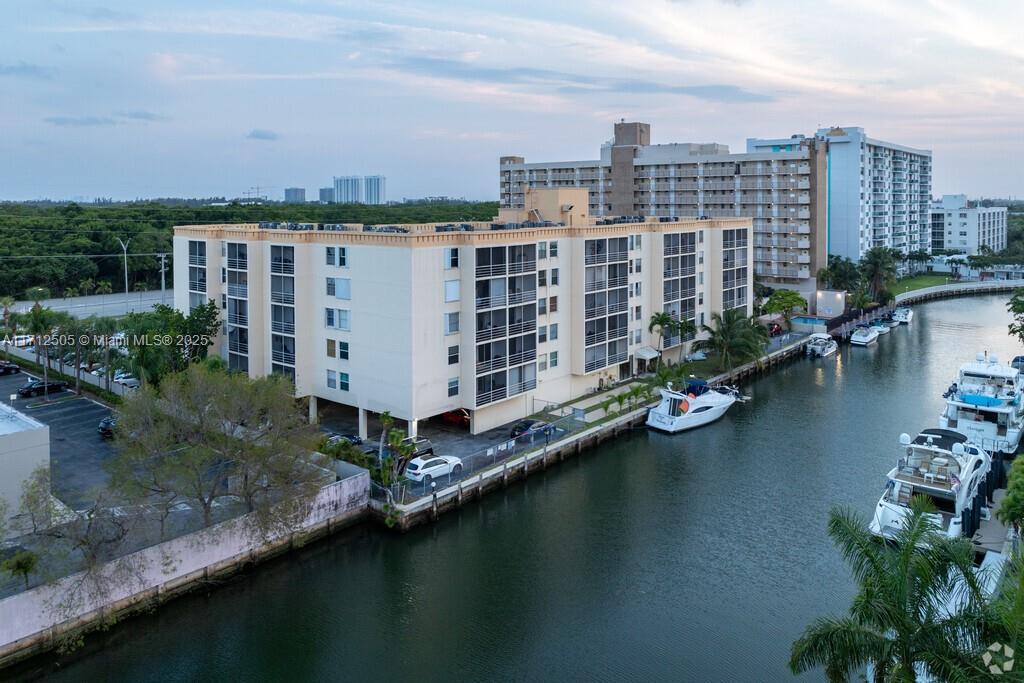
(636, 289)
(343, 287)
(329, 318)
(637, 313)
(343, 381)
(553, 305)
(553, 332)
(343, 319)
(451, 257)
(343, 257)
(542, 278)
(451, 290)
(542, 306)
(332, 348)
(330, 286)
(542, 362)
(542, 334)
(343, 350)
(553, 359)
(453, 386)
(453, 355)
(331, 258)
(451, 323)
(639, 265)
(332, 379)
(542, 250)
(553, 249)
(554, 275)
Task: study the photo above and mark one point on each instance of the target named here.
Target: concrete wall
(21, 452)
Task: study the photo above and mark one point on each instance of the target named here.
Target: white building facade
(348, 189)
(958, 226)
(878, 192)
(542, 305)
(24, 446)
(375, 189)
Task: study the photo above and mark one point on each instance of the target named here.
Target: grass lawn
(908, 284)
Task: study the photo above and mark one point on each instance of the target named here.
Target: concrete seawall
(958, 289)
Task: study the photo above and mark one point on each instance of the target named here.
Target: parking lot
(77, 451)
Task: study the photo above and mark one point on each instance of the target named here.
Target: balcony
(238, 264)
(592, 259)
(595, 312)
(279, 267)
(522, 297)
(522, 327)
(495, 332)
(520, 387)
(616, 282)
(282, 327)
(195, 260)
(282, 297)
(236, 319)
(283, 357)
(522, 357)
(197, 285)
(491, 396)
(486, 366)
(616, 256)
(595, 338)
(595, 285)
(238, 347)
(618, 333)
(617, 358)
(490, 301)
(671, 251)
(597, 364)
(238, 291)
(521, 267)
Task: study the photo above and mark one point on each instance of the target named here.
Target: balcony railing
(491, 396)
(197, 285)
(282, 297)
(617, 358)
(618, 256)
(522, 357)
(283, 357)
(490, 270)
(238, 347)
(282, 327)
(240, 291)
(617, 307)
(595, 312)
(621, 281)
(486, 366)
(617, 333)
(522, 327)
(520, 387)
(521, 297)
(238, 264)
(597, 364)
(194, 260)
(491, 332)
(591, 259)
(279, 267)
(490, 301)
(595, 285)
(236, 319)
(521, 267)
(595, 338)
(671, 251)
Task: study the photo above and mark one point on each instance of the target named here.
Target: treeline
(86, 237)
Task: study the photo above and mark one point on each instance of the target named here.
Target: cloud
(262, 134)
(81, 121)
(26, 70)
(141, 115)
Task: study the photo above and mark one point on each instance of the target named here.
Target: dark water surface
(696, 557)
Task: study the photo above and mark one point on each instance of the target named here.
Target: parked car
(531, 428)
(8, 368)
(458, 417)
(98, 371)
(426, 469)
(338, 438)
(37, 387)
(423, 445)
(68, 359)
(120, 376)
(106, 427)
(131, 383)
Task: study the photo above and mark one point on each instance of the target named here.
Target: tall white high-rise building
(348, 189)
(878, 192)
(958, 226)
(374, 189)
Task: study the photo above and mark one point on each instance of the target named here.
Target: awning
(646, 353)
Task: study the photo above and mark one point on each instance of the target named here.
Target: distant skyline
(147, 99)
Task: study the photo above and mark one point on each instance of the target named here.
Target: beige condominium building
(782, 191)
(541, 305)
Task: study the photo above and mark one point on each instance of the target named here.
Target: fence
(56, 366)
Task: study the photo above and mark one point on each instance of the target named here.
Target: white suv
(429, 467)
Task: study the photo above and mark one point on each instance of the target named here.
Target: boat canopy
(821, 336)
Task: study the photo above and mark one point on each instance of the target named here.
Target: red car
(458, 417)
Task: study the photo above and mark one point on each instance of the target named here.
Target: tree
(1011, 509)
(664, 323)
(87, 286)
(733, 336)
(150, 358)
(841, 273)
(860, 299)
(103, 287)
(22, 564)
(7, 303)
(916, 258)
(878, 267)
(1016, 307)
(784, 301)
(39, 327)
(918, 605)
(37, 294)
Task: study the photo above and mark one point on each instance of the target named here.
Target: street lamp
(124, 248)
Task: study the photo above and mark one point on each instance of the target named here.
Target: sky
(192, 98)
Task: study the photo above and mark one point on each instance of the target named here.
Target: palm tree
(103, 287)
(918, 608)
(11, 323)
(39, 326)
(733, 336)
(879, 268)
(37, 294)
(7, 303)
(687, 330)
(664, 323)
(860, 299)
(105, 327)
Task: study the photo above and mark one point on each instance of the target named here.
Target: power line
(8, 258)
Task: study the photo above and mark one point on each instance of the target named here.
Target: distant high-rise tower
(295, 195)
(348, 189)
(374, 187)
(326, 195)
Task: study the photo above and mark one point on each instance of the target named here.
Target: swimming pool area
(809, 320)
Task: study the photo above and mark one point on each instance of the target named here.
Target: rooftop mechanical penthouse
(543, 304)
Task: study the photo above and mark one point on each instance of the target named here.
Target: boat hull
(863, 340)
(701, 411)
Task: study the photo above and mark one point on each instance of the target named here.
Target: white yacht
(878, 325)
(697, 404)
(821, 345)
(985, 404)
(903, 314)
(864, 335)
(945, 467)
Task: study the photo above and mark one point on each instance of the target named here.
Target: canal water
(696, 557)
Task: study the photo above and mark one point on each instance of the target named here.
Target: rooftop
(12, 422)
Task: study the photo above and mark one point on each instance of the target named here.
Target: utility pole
(124, 248)
(163, 277)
